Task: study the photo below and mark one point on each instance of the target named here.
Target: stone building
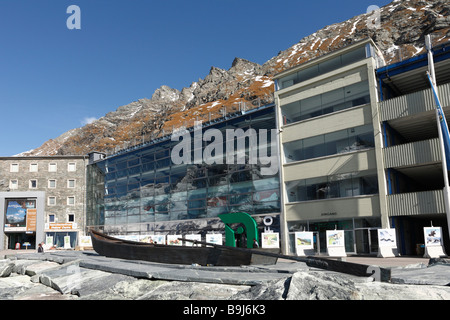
(42, 199)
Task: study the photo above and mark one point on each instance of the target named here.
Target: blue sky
(52, 79)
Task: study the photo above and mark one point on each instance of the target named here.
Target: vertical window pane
(314, 147)
(311, 107)
(337, 142)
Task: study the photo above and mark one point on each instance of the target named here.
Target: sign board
(433, 236)
(336, 243)
(434, 246)
(60, 226)
(172, 239)
(67, 242)
(387, 243)
(157, 238)
(31, 219)
(85, 241)
(270, 240)
(197, 237)
(215, 238)
(387, 238)
(304, 243)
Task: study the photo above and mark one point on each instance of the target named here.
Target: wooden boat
(218, 255)
(209, 255)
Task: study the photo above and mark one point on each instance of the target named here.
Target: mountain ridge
(399, 34)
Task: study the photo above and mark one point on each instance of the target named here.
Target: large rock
(270, 290)
(125, 290)
(318, 285)
(6, 267)
(20, 287)
(388, 291)
(176, 290)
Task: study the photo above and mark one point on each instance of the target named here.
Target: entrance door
(21, 238)
(366, 241)
(316, 239)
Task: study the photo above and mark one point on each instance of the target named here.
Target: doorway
(26, 241)
(366, 240)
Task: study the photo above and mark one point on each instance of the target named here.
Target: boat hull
(131, 250)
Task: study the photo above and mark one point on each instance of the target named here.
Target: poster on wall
(335, 238)
(304, 240)
(270, 240)
(16, 215)
(387, 238)
(433, 236)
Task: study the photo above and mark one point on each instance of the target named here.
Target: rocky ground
(87, 276)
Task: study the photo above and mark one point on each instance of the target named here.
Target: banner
(31, 219)
(17, 213)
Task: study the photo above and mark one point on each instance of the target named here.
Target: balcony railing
(414, 153)
(413, 103)
(416, 203)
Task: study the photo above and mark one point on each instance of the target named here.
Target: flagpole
(440, 123)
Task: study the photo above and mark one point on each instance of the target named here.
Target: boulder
(176, 290)
(319, 285)
(6, 267)
(389, 291)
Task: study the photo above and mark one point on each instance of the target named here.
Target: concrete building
(42, 199)
(411, 152)
(340, 167)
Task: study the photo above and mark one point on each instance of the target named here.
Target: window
(52, 183)
(336, 186)
(70, 201)
(323, 67)
(71, 167)
(338, 142)
(51, 218)
(33, 167)
(70, 217)
(52, 167)
(71, 183)
(13, 184)
(332, 101)
(14, 167)
(51, 201)
(33, 184)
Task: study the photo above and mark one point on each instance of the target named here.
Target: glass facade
(332, 101)
(336, 186)
(338, 142)
(144, 185)
(329, 65)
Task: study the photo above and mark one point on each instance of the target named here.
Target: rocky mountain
(398, 31)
